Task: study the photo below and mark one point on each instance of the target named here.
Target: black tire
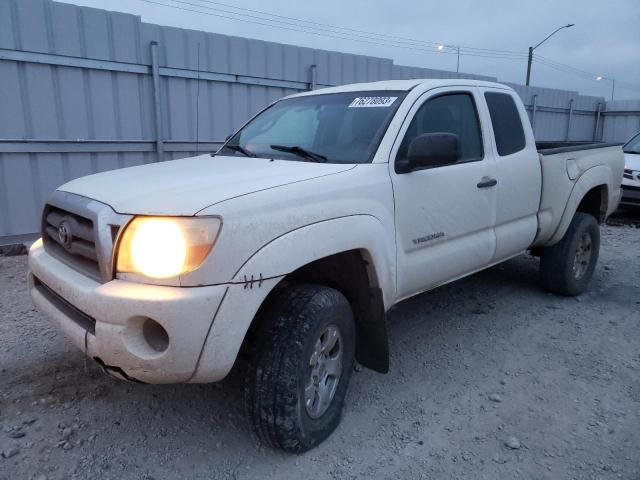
(279, 366)
(557, 272)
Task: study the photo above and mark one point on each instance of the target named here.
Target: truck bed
(551, 148)
(562, 164)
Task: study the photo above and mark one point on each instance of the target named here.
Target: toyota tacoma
(283, 251)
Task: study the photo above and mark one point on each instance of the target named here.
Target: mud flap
(372, 344)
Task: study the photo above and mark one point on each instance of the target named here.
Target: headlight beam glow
(158, 248)
(165, 247)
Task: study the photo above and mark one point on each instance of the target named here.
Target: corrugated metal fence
(622, 120)
(84, 90)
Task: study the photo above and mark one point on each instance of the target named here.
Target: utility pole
(529, 65)
(531, 49)
(458, 64)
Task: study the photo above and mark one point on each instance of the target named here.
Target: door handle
(487, 182)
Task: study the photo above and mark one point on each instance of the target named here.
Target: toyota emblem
(64, 234)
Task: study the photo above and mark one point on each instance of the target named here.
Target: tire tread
(271, 370)
(555, 262)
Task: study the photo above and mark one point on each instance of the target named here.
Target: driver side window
(449, 113)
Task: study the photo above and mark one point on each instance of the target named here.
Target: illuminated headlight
(165, 247)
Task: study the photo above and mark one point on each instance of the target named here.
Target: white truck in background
(286, 247)
(631, 176)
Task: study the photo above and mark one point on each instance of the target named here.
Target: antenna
(198, 104)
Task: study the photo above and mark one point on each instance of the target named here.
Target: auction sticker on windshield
(361, 102)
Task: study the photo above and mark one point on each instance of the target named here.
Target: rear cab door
(518, 171)
(444, 215)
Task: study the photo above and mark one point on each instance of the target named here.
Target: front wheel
(301, 367)
(567, 267)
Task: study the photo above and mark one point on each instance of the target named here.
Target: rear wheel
(301, 367)
(566, 268)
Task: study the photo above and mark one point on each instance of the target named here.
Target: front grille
(631, 188)
(628, 173)
(81, 233)
(70, 237)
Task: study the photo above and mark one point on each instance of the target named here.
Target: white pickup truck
(286, 247)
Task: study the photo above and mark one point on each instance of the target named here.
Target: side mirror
(431, 150)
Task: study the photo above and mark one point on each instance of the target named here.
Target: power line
(369, 36)
(363, 36)
(548, 61)
(463, 50)
(383, 36)
(564, 69)
(581, 73)
(332, 34)
(270, 25)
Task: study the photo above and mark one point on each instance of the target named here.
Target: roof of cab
(404, 85)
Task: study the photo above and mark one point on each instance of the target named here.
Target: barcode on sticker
(361, 102)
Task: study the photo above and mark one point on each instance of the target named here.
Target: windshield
(633, 145)
(334, 128)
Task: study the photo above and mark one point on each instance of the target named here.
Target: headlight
(164, 247)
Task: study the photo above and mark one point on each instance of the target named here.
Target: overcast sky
(604, 41)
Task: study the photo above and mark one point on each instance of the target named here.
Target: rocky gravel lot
(490, 378)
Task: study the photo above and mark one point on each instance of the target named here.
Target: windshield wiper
(242, 150)
(301, 152)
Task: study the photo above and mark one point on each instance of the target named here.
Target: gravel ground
(490, 378)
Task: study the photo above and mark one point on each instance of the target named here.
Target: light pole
(531, 49)
(613, 84)
(441, 47)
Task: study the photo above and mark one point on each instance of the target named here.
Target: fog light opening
(155, 335)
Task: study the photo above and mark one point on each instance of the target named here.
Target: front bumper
(630, 193)
(106, 320)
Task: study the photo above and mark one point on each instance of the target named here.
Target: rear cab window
(506, 122)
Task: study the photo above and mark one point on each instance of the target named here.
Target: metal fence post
(157, 112)
(314, 74)
(595, 129)
(566, 137)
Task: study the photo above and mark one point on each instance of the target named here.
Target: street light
(441, 48)
(613, 84)
(531, 49)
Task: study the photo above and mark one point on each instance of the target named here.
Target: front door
(444, 215)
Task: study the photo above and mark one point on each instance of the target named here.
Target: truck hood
(186, 186)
